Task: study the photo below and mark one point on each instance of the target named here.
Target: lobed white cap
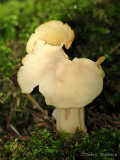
(64, 83)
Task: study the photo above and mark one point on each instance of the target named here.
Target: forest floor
(24, 130)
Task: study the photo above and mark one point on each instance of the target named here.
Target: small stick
(115, 48)
(35, 103)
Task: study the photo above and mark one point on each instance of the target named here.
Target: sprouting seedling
(67, 85)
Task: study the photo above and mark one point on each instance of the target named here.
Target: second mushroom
(67, 85)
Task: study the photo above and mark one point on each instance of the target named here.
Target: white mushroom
(67, 85)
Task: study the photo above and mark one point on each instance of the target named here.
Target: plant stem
(35, 103)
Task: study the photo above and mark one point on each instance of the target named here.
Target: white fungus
(67, 85)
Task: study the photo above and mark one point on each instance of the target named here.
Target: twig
(35, 103)
(115, 48)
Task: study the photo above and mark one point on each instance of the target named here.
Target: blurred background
(97, 33)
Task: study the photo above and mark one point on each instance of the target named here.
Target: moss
(46, 145)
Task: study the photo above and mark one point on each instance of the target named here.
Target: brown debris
(43, 119)
(96, 121)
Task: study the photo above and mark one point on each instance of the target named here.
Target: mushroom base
(70, 119)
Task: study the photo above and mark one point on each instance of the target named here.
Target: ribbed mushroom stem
(70, 119)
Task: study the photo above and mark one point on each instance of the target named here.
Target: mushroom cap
(53, 32)
(36, 66)
(64, 83)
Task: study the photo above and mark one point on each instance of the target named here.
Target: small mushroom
(67, 85)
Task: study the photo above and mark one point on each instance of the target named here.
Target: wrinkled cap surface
(64, 83)
(53, 32)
